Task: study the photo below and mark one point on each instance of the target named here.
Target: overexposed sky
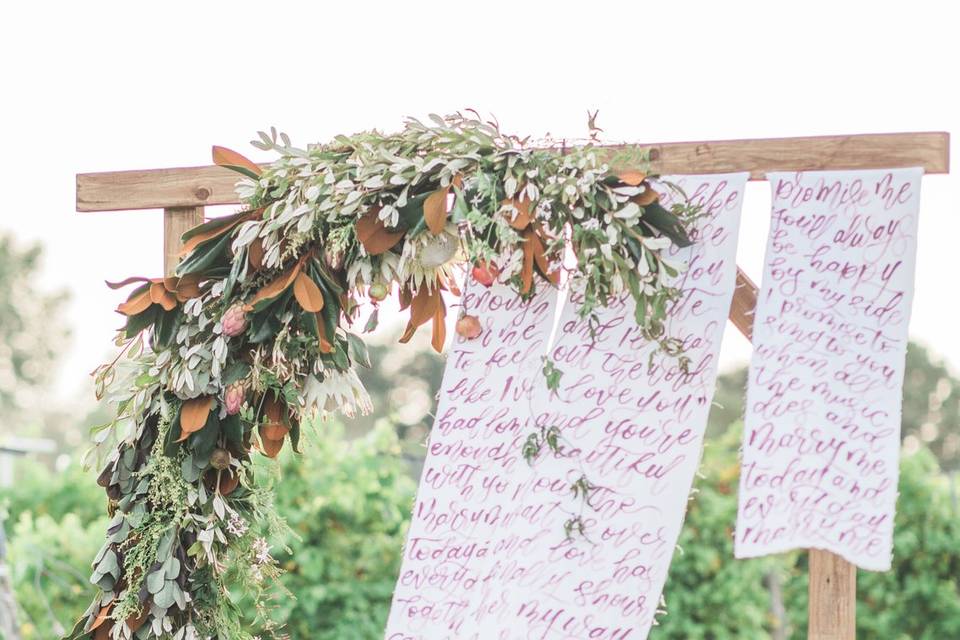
(100, 86)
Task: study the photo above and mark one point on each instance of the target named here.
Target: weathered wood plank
(833, 597)
(176, 222)
(743, 304)
(199, 186)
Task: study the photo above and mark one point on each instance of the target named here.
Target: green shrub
(50, 561)
(43, 492)
(349, 502)
(919, 598)
(708, 595)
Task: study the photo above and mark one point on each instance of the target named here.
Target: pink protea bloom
(233, 397)
(234, 321)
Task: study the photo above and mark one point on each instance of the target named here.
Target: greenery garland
(256, 335)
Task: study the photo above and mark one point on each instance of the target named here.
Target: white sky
(99, 86)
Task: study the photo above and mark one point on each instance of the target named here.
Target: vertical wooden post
(177, 220)
(833, 597)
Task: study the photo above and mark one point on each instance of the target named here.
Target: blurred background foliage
(348, 500)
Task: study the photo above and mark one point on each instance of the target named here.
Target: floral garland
(254, 335)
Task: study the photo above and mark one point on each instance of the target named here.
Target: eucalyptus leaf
(357, 350)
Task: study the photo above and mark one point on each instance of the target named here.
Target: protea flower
(337, 390)
(438, 250)
(233, 397)
(234, 321)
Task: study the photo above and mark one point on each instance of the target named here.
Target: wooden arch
(183, 193)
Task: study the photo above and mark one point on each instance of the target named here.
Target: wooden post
(833, 597)
(176, 221)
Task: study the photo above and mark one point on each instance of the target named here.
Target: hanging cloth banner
(822, 426)
(472, 531)
(633, 428)
(488, 555)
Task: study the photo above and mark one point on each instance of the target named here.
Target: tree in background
(31, 333)
(403, 387)
(931, 406)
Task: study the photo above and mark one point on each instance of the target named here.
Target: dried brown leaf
(435, 211)
(276, 286)
(631, 177)
(136, 303)
(307, 293)
(229, 158)
(193, 415)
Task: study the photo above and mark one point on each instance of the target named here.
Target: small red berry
(485, 273)
(469, 327)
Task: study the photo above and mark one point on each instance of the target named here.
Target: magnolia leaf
(540, 258)
(632, 177)
(325, 345)
(646, 198)
(102, 616)
(229, 481)
(374, 236)
(139, 322)
(193, 415)
(526, 272)
(307, 293)
(522, 206)
(165, 327)
(135, 622)
(439, 328)
(236, 370)
(276, 426)
(188, 290)
(232, 160)
(205, 256)
(160, 295)
(270, 447)
(232, 430)
(295, 436)
(103, 633)
(406, 297)
(214, 228)
(205, 441)
(424, 306)
(275, 287)
(664, 221)
(255, 254)
(138, 301)
(435, 211)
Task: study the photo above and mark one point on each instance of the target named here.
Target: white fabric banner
(477, 515)
(822, 426)
(487, 555)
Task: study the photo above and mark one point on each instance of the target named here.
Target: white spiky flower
(337, 390)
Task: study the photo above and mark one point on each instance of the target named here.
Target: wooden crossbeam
(204, 186)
